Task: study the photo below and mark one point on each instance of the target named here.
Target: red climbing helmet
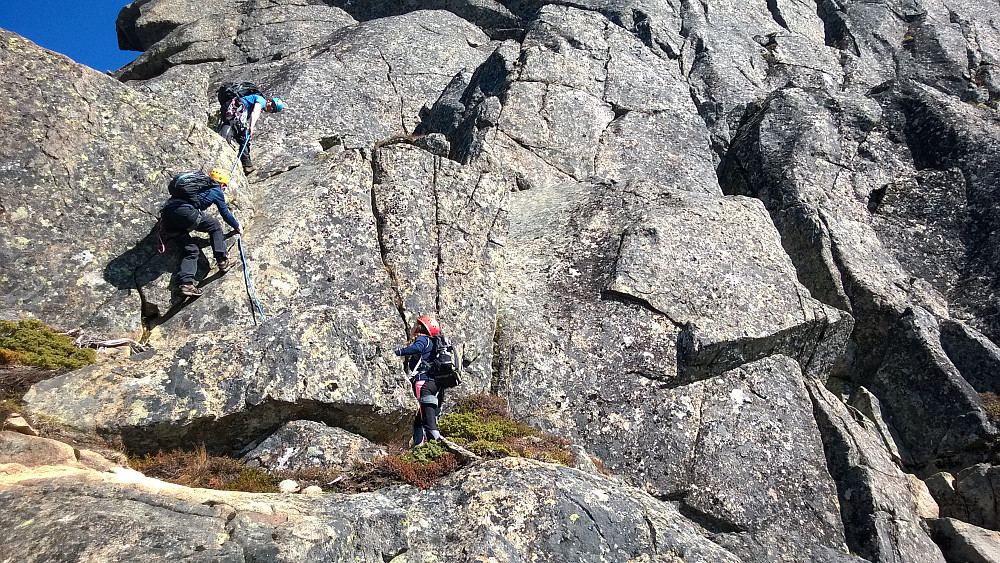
(431, 324)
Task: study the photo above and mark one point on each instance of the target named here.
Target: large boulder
(86, 170)
(878, 501)
(965, 543)
(490, 510)
(304, 444)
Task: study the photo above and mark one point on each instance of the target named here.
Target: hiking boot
(190, 289)
(249, 169)
(227, 264)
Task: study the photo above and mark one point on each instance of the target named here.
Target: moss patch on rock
(483, 424)
(31, 342)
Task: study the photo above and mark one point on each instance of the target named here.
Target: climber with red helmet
(419, 352)
(191, 193)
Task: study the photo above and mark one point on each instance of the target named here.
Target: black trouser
(425, 421)
(189, 261)
(237, 132)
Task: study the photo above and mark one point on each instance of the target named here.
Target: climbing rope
(251, 293)
(240, 155)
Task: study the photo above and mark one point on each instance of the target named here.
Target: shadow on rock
(142, 267)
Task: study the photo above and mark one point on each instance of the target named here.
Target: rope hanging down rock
(251, 293)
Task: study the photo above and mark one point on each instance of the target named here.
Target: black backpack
(188, 185)
(230, 94)
(443, 366)
(230, 90)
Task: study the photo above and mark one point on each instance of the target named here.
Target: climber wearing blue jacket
(425, 389)
(181, 215)
(240, 125)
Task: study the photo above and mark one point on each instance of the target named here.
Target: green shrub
(31, 343)
(486, 448)
(430, 452)
(472, 427)
(484, 425)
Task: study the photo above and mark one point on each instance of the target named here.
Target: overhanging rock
(716, 266)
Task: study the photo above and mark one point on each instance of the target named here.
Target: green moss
(483, 424)
(428, 453)
(490, 449)
(470, 426)
(991, 404)
(31, 343)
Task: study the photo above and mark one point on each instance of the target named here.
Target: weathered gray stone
(869, 405)
(304, 444)
(970, 495)
(485, 511)
(590, 99)
(877, 500)
(975, 356)
(864, 128)
(86, 168)
(934, 410)
(724, 290)
(965, 543)
(442, 228)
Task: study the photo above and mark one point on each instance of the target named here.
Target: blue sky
(83, 30)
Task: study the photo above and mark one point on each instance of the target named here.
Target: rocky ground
(742, 252)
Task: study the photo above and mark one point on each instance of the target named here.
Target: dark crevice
(621, 297)
(328, 143)
(382, 248)
(837, 33)
(496, 365)
(710, 522)
(772, 6)
(438, 237)
(238, 432)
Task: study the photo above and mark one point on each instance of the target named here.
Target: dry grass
(991, 404)
(15, 382)
(198, 469)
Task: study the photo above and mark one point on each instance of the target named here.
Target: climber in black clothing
(425, 389)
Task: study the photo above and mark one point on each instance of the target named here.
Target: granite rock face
(304, 444)
(502, 509)
(681, 235)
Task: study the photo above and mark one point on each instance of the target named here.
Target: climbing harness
(159, 237)
(251, 293)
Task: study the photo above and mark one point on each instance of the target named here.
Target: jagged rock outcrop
(964, 542)
(877, 500)
(503, 509)
(658, 230)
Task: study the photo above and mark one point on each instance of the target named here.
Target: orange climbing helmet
(220, 176)
(431, 324)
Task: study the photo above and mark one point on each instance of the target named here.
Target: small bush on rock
(31, 342)
(484, 425)
(429, 452)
